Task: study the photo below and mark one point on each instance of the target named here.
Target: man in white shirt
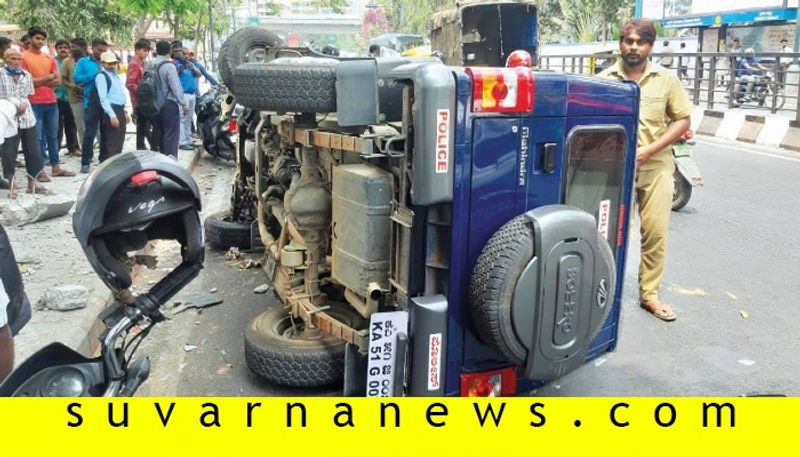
(784, 61)
(667, 56)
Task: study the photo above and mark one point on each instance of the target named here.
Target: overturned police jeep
(430, 230)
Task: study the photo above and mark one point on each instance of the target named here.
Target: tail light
(233, 126)
(502, 90)
(497, 383)
(144, 177)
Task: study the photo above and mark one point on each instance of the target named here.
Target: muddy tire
(222, 233)
(275, 354)
(681, 193)
(296, 87)
(245, 45)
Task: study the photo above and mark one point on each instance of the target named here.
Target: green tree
(146, 11)
(337, 6)
(591, 20)
(548, 11)
(61, 18)
(273, 8)
(413, 16)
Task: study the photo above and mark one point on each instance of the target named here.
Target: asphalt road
(732, 278)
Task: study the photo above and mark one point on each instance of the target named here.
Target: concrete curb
(751, 129)
(90, 342)
(769, 131)
(709, 122)
(791, 139)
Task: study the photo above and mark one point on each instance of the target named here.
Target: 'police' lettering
(442, 140)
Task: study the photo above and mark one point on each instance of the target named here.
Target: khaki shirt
(663, 100)
(67, 69)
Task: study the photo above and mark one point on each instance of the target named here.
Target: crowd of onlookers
(77, 95)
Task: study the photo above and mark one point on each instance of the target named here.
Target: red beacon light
(519, 58)
(504, 90)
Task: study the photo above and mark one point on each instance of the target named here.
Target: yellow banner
(289, 427)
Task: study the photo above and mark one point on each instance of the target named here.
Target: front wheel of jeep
(278, 349)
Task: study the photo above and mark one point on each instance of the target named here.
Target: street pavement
(731, 278)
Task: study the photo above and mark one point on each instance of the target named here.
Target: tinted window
(595, 174)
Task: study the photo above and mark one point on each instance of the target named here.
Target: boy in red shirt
(132, 79)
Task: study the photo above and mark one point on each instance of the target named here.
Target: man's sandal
(657, 309)
(63, 174)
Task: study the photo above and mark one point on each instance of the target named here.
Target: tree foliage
(413, 16)
(337, 6)
(587, 20)
(62, 18)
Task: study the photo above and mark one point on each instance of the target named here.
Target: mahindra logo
(146, 205)
(602, 294)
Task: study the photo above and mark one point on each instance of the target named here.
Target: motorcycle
(114, 216)
(686, 174)
(217, 115)
(764, 91)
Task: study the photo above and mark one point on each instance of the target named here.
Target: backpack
(95, 109)
(148, 94)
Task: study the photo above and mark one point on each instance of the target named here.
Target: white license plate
(381, 359)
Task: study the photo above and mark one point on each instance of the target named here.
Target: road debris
(744, 313)
(262, 289)
(213, 290)
(249, 263)
(233, 254)
(197, 300)
(189, 347)
(64, 298)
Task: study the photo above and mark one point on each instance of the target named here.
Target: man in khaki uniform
(664, 113)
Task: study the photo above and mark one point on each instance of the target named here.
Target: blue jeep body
(487, 192)
(381, 190)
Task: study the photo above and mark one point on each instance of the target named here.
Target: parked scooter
(131, 199)
(217, 113)
(686, 174)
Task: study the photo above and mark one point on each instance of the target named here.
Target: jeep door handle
(549, 151)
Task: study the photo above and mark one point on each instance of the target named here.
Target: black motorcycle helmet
(133, 198)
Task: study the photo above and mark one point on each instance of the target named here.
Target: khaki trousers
(77, 113)
(654, 190)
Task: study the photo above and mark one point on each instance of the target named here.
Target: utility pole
(211, 33)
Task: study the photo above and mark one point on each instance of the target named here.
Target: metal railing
(713, 79)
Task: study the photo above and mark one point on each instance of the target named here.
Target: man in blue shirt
(750, 74)
(85, 71)
(202, 69)
(188, 75)
(111, 93)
